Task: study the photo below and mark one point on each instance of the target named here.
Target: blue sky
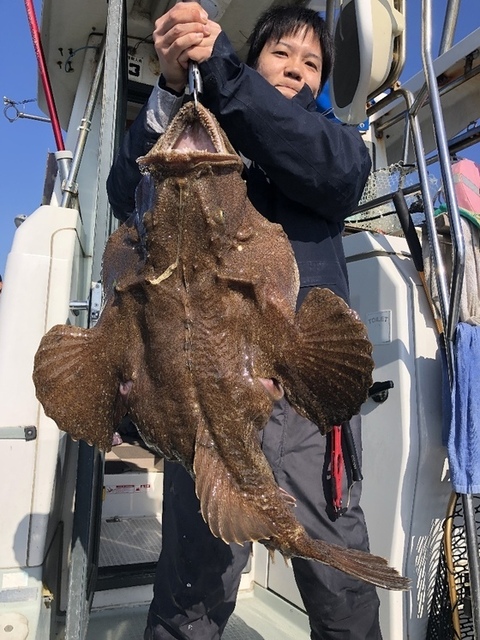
(24, 144)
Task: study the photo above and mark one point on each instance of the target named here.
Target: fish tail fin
(359, 564)
(75, 386)
(329, 365)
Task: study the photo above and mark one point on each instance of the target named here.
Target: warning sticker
(121, 488)
(143, 487)
(128, 488)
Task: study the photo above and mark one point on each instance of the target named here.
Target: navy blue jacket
(307, 171)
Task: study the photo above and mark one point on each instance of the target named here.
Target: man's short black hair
(280, 21)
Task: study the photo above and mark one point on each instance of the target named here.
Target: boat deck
(121, 613)
(258, 616)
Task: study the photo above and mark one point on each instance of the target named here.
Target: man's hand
(184, 33)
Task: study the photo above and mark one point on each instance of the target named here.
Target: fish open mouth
(194, 137)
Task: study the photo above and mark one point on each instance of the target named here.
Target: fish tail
(328, 366)
(75, 385)
(359, 564)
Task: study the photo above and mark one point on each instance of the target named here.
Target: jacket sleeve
(150, 123)
(317, 162)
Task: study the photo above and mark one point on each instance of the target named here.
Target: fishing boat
(81, 531)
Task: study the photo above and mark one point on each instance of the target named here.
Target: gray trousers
(198, 576)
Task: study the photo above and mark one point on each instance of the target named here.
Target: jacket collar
(305, 98)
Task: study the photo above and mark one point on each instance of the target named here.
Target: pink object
(466, 177)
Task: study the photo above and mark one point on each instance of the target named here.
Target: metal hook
(194, 80)
(195, 86)
(11, 104)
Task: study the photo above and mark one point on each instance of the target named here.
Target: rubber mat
(126, 541)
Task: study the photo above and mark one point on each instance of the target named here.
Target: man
(306, 173)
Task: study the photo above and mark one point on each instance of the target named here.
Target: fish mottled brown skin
(199, 315)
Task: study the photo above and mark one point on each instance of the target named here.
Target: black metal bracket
(378, 392)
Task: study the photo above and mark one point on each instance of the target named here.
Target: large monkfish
(198, 336)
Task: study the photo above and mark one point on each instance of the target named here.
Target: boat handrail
(458, 245)
(69, 186)
(458, 268)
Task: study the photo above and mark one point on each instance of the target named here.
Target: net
(381, 185)
(440, 626)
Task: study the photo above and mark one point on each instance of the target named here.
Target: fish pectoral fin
(76, 386)
(231, 513)
(327, 369)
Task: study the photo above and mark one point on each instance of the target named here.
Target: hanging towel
(469, 309)
(464, 436)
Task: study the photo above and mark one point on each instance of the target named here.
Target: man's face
(291, 62)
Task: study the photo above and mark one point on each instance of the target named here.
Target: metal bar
(458, 267)
(372, 204)
(87, 516)
(31, 116)
(438, 267)
(417, 103)
(449, 25)
(69, 186)
(64, 162)
(330, 15)
(444, 158)
(415, 249)
(112, 123)
(463, 140)
(11, 105)
(18, 433)
(420, 99)
(406, 138)
(86, 531)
